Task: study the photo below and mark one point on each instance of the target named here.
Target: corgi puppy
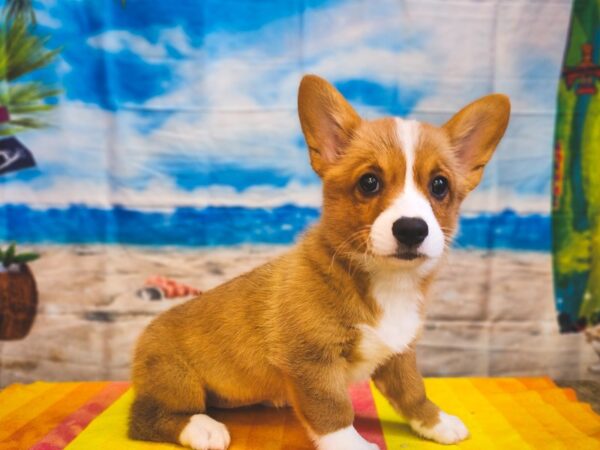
(346, 304)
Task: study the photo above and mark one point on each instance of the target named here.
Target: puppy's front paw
(449, 430)
(204, 433)
(346, 438)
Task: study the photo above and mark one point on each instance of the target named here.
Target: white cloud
(78, 146)
(526, 48)
(163, 194)
(491, 201)
(45, 19)
(116, 41)
(258, 196)
(175, 37)
(77, 165)
(159, 194)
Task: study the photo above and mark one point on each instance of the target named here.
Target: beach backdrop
(166, 142)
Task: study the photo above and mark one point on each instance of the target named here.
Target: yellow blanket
(502, 413)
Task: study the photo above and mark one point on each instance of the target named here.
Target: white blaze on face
(410, 203)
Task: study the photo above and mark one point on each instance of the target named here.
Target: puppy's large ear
(327, 121)
(475, 132)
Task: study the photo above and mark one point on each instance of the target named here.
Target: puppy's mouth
(407, 255)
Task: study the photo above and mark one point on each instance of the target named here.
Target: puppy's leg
(151, 420)
(320, 400)
(170, 398)
(401, 383)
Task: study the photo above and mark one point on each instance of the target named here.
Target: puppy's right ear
(327, 120)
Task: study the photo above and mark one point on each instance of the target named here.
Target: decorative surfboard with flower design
(576, 191)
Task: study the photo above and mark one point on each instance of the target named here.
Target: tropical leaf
(15, 9)
(21, 51)
(30, 108)
(18, 125)
(24, 100)
(28, 122)
(12, 130)
(9, 255)
(23, 93)
(24, 258)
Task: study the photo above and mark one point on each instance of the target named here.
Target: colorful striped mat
(501, 413)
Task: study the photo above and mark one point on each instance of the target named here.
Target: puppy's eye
(369, 184)
(439, 187)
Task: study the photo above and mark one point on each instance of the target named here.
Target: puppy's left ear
(475, 131)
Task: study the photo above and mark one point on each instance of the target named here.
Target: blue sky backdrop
(193, 103)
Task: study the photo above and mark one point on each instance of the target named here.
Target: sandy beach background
(492, 312)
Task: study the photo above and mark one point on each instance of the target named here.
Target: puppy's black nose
(410, 231)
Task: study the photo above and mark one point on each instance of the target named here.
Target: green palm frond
(25, 97)
(12, 130)
(25, 103)
(22, 52)
(15, 9)
(10, 256)
(19, 125)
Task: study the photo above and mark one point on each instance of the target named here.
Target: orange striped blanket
(502, 413)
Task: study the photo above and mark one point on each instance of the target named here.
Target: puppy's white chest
(397, 327)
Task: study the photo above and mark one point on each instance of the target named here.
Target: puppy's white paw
(346, 438)
(204, 433)
(449, 430)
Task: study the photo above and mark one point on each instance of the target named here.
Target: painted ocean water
(214, 226)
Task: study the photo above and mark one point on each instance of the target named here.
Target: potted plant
(18, 294)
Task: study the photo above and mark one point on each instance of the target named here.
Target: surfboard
(576, 182)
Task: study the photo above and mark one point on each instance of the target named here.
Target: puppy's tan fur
(289, 332)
